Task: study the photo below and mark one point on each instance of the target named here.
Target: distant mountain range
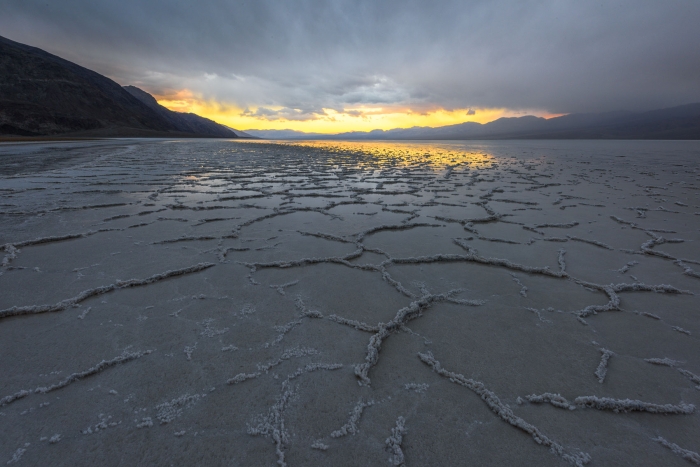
(681, 122)
(42, 94)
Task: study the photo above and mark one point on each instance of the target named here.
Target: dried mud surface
(330, 303)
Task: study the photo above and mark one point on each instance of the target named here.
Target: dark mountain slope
(682, 122)
(185, 122)
(42, 94)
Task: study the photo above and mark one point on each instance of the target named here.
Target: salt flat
(329, 303)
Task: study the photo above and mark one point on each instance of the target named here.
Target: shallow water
(247, 302)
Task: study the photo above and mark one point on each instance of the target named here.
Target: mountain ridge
(182, 121)
(679, 122)
(42, 94)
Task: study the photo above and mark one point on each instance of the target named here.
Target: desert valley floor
(204, 302)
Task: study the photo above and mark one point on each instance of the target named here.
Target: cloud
(471, 112)
(300, 57)
(285, 113)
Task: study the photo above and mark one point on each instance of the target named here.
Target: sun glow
(355, 118)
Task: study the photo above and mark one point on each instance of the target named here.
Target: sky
(338, 65)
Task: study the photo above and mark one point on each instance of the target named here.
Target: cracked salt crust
(436, 231)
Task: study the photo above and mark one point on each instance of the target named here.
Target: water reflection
(403, 154)
(433, 155)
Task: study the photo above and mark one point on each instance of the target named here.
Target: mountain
(184, 122)
(42, 94)
(682, 122)
(242, 134)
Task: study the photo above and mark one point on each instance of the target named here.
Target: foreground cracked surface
(269, 279)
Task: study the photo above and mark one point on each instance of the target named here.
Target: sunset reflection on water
(404, 153)
(371, 154)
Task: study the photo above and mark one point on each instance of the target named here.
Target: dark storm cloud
(558, 56)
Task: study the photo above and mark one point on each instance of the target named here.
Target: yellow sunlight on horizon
(359, 118)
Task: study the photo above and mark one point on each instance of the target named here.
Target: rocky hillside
(42, 94)
(185, 122)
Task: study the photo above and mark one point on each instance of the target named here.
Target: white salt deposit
(351, 426)
(393, 442)
(602, 369)
(690, 456)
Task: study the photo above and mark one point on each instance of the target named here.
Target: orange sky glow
(358, 118)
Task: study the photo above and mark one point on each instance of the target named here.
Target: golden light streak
(405, 154)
